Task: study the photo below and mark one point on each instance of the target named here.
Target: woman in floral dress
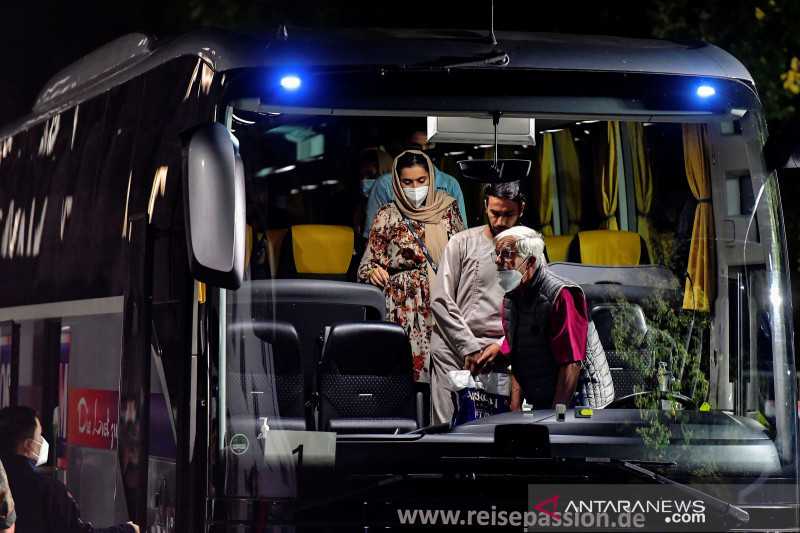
(396, 260)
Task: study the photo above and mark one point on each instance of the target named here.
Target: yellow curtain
(569, 171)
(248, 244)
(201, 292)
(544, 181)
(607, 177)
(699, 291)
(643, 184)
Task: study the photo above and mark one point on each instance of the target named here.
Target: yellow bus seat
(272, 239)
(609, 248)
(274, 242)
(322, 249)
(556, 247)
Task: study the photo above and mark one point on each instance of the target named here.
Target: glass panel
(691, 319)
(732, 194)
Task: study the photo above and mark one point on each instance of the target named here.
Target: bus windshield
(672, 231)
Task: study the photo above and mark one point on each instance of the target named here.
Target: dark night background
(38, 38)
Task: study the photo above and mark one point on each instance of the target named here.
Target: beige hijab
(430, 213)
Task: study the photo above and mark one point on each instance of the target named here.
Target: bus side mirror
(214, 206)
(782, 149)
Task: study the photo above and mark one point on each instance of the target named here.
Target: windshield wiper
(635, 467)
(496, 58)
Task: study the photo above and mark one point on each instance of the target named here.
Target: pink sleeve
(569, 327)
(505, 349)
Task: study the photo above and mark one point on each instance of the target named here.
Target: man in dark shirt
(42, 503)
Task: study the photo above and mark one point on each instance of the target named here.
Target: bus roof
(538, 51)
(133, 54)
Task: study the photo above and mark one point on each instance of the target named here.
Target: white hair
(529, 243)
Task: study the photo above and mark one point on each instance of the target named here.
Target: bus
(178, 235)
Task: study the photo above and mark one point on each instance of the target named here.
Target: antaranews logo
(604, 507)
(545, 514)
(548, 507)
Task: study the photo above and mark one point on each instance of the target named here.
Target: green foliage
(668, 329)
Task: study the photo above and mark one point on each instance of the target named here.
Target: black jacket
(44, 505)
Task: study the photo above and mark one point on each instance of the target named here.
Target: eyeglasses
(507, 254)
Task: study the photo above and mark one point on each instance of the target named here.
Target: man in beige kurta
(466, 299)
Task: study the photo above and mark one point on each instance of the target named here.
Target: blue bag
(479, 396)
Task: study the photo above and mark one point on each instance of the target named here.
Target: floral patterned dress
(408, 293)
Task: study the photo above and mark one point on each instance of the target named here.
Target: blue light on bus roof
(291, 82)
(706, 91)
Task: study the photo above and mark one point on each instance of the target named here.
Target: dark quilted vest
(527, 311)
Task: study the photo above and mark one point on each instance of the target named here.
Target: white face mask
(44, 449)
(366, 186)
(416, 195)
(510, 279)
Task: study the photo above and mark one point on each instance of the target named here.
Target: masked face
(367, 173)
(510, 279)
(511, 268)
(44, 450)
(37, 448)
(416, 195)
(366, 186)
(414, 181)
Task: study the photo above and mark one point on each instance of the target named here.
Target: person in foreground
(545, 318)
(466, 298)
(405, 246)
(43, 504)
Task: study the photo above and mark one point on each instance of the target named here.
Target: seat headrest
(275, 331)
(609, 247)
(556, 247)
(285, 342)
(321, 249)
(378, 348)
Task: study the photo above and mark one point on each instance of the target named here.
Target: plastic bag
(479, 396)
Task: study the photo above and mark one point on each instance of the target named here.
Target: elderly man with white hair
(545, 318)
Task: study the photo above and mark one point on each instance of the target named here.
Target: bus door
(739, 254)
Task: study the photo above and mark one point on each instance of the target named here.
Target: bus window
(631, 211)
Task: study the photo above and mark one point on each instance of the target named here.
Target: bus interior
(660, 222)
